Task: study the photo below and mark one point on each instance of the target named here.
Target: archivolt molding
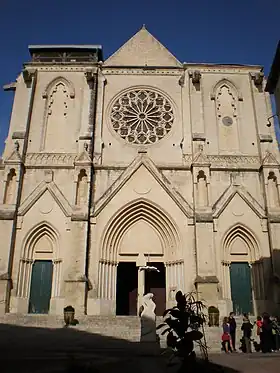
(228, 83)
(55, 82)
(39, 191)
(35, 234)
(43, 229)
(243, 233)
(138, 210)
(228, 195)
(161, 179)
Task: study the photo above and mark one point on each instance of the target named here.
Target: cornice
(129, 71)
(67, 160)
(83, 69)
(50, 160)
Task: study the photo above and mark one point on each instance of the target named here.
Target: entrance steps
(119, 327)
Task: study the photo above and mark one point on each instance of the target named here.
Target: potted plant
(183, 324)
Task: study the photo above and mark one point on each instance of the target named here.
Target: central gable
(143, 179)
(143, 49)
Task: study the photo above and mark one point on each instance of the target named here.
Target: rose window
(142, 116)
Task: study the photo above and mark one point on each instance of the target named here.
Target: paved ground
(34, 350)
(253, 363)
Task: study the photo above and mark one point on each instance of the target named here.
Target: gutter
(91, 188)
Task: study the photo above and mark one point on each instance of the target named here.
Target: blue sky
(223, 31)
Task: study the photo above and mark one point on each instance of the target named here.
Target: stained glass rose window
(142, 116)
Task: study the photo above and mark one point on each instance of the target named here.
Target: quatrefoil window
(142, 116)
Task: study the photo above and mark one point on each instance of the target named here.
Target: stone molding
(206, 280)
(18, 135)
(7, 212)
(39, 191)
(226, 162)
(228, 195)
(50, 159)
(67, 68)
(215, 161)
(142, 71)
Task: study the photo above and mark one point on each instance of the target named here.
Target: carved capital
(182, 80)
(89, 75)
(28, 74)
(195, 76)
(257, 78)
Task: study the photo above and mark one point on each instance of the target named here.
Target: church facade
(138, 174)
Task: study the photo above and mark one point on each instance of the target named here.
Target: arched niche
(202, 192)
(58, 97)
(82, 188)
(10, 187)
(272, 190)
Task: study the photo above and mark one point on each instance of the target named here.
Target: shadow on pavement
(69, 350)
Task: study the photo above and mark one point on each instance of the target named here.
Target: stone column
(140, 262)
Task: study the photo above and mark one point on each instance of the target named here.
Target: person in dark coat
(232, 326)
(247, 333)
(266, 335)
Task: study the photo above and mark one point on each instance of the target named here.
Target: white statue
(148, 319)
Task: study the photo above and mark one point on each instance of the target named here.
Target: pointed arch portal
(139, 234)
(242, 269)
(39, 270)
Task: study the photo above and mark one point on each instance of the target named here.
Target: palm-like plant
(184, 325)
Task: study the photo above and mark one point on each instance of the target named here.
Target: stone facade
(139, 159)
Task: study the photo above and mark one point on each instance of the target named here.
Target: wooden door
(41, 286)
(241, 288)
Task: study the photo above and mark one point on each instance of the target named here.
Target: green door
(241, 288)
(41, 286)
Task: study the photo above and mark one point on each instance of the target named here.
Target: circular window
(227, 121)
(142, 116)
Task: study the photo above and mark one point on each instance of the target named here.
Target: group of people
(268, 332)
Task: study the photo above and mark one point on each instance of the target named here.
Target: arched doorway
(140, 236)
(242, 270)
(39, 271)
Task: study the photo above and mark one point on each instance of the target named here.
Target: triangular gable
(160, 178)
(270, 159)
(228, 195)
(83, 158)
(39, 191)
(14, 158)
(200, 158)
(143, 49)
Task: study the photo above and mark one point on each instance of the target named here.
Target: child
(226, 340)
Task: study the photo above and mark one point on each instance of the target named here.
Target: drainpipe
(262, 180)
(31, 78)
(91, 187)
(193, 188)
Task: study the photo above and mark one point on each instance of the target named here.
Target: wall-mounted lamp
(268, 119)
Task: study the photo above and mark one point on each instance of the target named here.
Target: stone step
(122, 327)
